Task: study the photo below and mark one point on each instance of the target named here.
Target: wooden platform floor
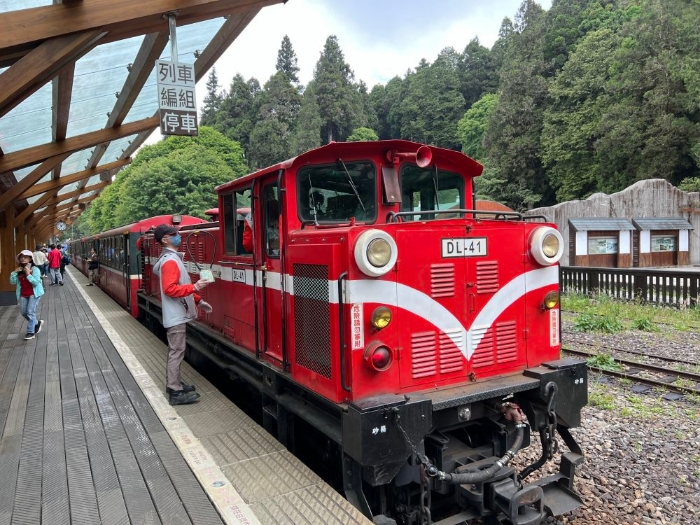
(88, 435)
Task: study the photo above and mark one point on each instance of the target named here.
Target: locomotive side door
(272, 285)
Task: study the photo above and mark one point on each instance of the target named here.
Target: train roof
(340, 149)
(145, 224)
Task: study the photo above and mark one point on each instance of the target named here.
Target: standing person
(178, 296)
(54, 258)
(93, 267)
(45, 251)
(39, 259)
(27, 277)
(65, 260)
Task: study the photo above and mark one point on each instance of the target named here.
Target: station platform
(89, 437)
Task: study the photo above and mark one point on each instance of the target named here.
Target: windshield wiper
(314, 211)
(352, 185)
(435, 185)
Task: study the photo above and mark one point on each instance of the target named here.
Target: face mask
(176, 241)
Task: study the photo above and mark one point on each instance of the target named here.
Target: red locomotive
(119, 257)
(418, 336)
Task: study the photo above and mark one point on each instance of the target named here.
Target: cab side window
(236, 209)
(271, 214)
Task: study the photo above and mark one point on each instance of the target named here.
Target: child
(27, 277)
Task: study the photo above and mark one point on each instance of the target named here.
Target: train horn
(423, 156)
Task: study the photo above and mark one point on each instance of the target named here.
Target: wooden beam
(39, 203)
(62, 91)
(25, 27)
(27, 157)
(41, 65)
(151, 49)
(50, 212)
(77, 193)
(75, 177)
(36, 174)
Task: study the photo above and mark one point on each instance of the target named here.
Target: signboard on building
(176, 98)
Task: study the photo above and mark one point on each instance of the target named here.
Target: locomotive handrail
(341, 331)
(497, 214)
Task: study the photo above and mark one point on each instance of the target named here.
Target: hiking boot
(61, 283)
(185, 388)
(38, 326)
(181, 397)
(30, 335)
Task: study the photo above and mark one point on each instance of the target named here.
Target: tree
(238, 110)
(337, 97)
(287, 61)
(307, 132)
(212, 100)
(270, 141)
(477, 72)
(513, 136)
(181, 182)
(472, 127)
(363, 135)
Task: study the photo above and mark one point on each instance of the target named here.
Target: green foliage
(604, 362)
(176, 175)
(690, 184)
(362, 135)
(287, 61)
(472, 126)
(337, 97)
(238, 110)
(478, 73)
(588, 322)
(604, 400)
(645, 324)
(307, 133)
(212, 100)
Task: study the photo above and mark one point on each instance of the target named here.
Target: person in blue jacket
(27, 278)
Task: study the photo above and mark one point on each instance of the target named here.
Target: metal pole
(172, 22)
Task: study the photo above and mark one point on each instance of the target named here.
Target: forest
(588, 96)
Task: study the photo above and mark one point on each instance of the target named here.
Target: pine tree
(287, 60)
(238, 110)
(212, 101)
(307, 132)
(337, 97)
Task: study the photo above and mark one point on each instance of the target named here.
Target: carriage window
(338, 192)
(271, 217)
(430, 189)
(236, 209)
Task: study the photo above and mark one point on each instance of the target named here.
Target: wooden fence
(661, 287)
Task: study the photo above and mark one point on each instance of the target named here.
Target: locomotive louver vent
(432, 354)
(442, 280)
(489, 352)
(312, 318)
(487, 277)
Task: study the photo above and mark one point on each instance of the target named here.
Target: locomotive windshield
(338, 192)
(428, 188)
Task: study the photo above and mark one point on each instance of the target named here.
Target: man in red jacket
(54, 258)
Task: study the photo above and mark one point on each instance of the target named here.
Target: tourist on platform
(93, 267)
(27, 278)
(40, 260)
(54, 257)
(65, 259)
(179, 302)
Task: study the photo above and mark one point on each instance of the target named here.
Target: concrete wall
(647, 198)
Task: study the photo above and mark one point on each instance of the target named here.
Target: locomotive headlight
(375, 252)
(378, 252)
(381, 317)
(551, 300)
(546, 245)
(378, 356)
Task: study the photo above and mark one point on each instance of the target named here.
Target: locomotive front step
(559, 496)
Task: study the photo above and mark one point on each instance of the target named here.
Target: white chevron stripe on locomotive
(417, 302)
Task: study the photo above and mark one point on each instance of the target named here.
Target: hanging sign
(176, 98)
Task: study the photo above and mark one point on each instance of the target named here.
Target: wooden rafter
(42, 64)
(27, 157)
(54, 206)
(122, 19)
(62, 91)
(38, 189)
(36, 174)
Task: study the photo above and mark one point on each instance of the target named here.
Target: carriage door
(272, 273)
(123, 261)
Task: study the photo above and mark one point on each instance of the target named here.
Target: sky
(379, 38)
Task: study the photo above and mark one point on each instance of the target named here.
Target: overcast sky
(379, 38)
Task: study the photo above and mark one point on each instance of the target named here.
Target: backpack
(65, 260)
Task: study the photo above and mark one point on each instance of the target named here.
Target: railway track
(675, 380)
(615, 349)
(693, 326)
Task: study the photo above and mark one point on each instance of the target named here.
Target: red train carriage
(120, 259)
(419, 336)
